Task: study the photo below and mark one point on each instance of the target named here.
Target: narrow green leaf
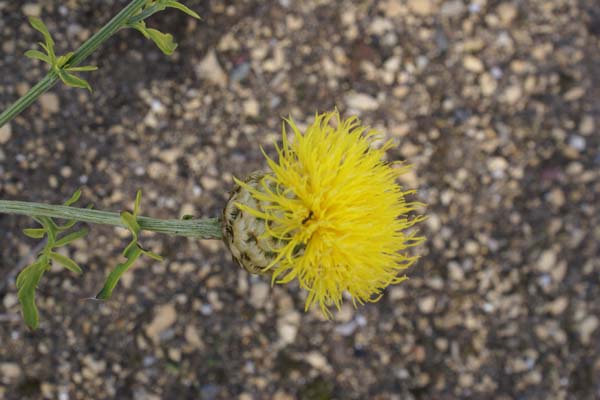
(39, 26)
(85, 68)
(138, 201)
(164, 41)
(68, 225)
(50, 51)
(182, 7)
(152, 255)
(38, 55)
(24, 273)
(71, 237)
(74, 198)
(141, 27)
(113, 278)
(27, 282)
(73, 81)
(66, 262)
(34, 233)
(63, 60)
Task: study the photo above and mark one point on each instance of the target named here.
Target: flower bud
(244, 233)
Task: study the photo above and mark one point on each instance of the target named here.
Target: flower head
(329, 213)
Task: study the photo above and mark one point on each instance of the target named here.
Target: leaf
(141, 27)
(164, 41)
(182, 7)
(39, 26)
(27, 282)
(66, 262)
(38, 55)
(50, 51)
(74, 198)
(73, 81)
(34, 233)
(138, 201)
(62, 60)
(71, 237)
(68, 225)
(152, 255)
(23, 274)
(85, 68)
(113, 278)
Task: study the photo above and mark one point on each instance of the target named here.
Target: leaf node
(132, 252)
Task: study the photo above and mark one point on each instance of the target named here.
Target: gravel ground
(494, 102)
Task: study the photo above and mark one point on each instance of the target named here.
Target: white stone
(497, 165)
(318, 361)
(50, 103)
(556, 197)
(577, 142)
(488, 84)
(251, 108)
(587, 125)
(512, 94)
(558, 306)
(5, 133)
(380, 26)
(362, 102)
(209, 183)
(392, 64)
(287, 327)
(192, 336)
(547, 260)
(32, 10)
(164, 317)
(575, 94)
(587, 327)
(9, 372)
(210, 69)
(10, 300)
(259, 292)
(452, 8)
(473, 64)
(507, 12)
(169, 156)
(427, 304)
(422, 7)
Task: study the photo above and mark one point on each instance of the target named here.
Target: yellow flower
(329, 213)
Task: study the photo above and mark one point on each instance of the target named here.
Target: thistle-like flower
(328, 213)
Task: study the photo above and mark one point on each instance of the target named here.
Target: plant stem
(209, 228)
(86, 49)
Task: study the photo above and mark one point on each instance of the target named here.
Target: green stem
(40, 88)
(209, 228)
(86, 49)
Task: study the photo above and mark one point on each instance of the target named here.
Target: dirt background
(494, 102)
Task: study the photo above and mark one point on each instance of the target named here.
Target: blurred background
(495, 102)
